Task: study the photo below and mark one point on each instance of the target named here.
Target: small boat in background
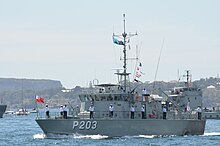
(22, 111)
(9, 112)
(34, 110)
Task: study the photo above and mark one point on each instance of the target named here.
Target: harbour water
(23, 130)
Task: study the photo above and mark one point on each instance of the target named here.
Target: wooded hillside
(12, 91)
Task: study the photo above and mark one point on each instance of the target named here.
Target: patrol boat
(211, 114)
(122, 122)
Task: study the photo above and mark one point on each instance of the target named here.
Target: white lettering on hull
(82, 125)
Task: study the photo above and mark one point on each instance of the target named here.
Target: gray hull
(2, 110)
(118, 128)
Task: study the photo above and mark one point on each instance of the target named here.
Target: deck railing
(122, 115)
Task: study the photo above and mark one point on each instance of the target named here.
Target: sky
(71, 41)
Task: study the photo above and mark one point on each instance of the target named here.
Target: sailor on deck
(132, 111)
(111, 109)
(143, 112)
(65, 111)
(91, 110)
(61, 111)
(199, 111)
(188, 107)
(77, 110)
(164, 113)
(144, 95)
(47, 111)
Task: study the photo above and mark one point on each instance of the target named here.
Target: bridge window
(110, 98)
(103, 98)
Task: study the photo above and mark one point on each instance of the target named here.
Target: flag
(138, 74)
(39, 99)
(138, 70)
(140, 64)
(116, 41)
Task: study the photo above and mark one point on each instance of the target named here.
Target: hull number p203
(82, 125)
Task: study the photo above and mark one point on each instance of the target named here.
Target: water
(23, 130)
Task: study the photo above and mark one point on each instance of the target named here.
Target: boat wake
(97, 137)
(155, 136)
(90, 137)
(64, 136)
(148, 136)
(39, 136)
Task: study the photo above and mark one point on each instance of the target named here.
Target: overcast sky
(71, 40)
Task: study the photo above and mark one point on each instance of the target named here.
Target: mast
(124, 52)
(124, 74)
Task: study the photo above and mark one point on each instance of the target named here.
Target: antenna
(158, 63)
(178, 75)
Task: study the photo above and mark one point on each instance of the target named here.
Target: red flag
(39, 99)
